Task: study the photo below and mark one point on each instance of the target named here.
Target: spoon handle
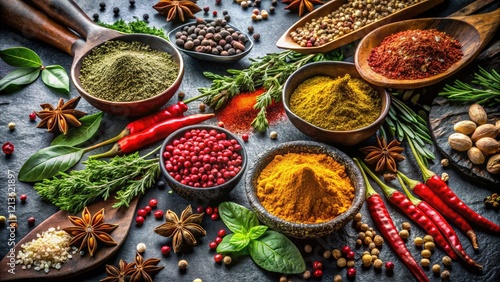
(33, 24)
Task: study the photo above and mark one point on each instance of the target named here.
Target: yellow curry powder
(343, 103)
(305, 188)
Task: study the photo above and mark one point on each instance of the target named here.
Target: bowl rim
(174, 54)
(169, 138)
(211, 57)
(383, 113)
(356, 204)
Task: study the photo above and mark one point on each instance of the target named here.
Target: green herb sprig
(128, 176)
(136, 26)
(402, 122)
(269, 249)
(270, 72)
(467, 93)
(29, 67)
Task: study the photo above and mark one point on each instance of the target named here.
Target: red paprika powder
(415, 54)
(239, 112)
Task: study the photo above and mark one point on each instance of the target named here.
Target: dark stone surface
(28, 140)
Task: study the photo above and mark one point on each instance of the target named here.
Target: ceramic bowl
(305, 230)
(333, 70)
(140, 107)
(210, 57)
(203, 195)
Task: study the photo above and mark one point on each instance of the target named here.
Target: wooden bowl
(203, 195)
(333, 70)
(305, 230)
(286, 42)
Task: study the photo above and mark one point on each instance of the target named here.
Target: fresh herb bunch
(269, 72)
(466, 93)
(128, 176)
(403, 122)
(137, 26)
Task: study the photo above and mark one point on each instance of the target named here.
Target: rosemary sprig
(467, 93)
(403, 122)
(136, 26)
(128, 176)
(270, 72)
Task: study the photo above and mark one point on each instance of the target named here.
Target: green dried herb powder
(127, 71)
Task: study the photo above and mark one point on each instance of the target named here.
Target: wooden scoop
(32, 23)
(78, 264)
(473, 33)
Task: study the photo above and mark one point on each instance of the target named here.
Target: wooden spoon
(473, 33)
(23, 17)
(78, 264)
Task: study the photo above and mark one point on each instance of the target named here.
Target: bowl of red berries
(203, 163)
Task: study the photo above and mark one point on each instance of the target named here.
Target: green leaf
(225, 247)
(20, 76)
(256, 231)
(21, 57)
(56, 77)
(48, 162)
(276, 253)
(239, 241)
(237, 218)
(78, 135)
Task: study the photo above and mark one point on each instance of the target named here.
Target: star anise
(144, 269)
(187, 228)
(88, 230)
(61, 117)
(119, 274)
(180, 10)
(301, 5)
(384, 155)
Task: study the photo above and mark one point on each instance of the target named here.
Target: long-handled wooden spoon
(473, 33)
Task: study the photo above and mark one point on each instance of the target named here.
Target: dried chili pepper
(152, 134)
(431, 198)
(441, 189)
(176, 110)
(387, 228)
(415, 214)
(442, 225)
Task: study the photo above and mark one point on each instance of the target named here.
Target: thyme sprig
(403, 122)
(270, 71)
(127, 176)
(467, 93)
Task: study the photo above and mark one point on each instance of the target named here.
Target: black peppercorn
(161, 184)
(256, 37)
(250, 29)
(131, 2)
(271, 9)
(145, 17)
(274, 2)
(102, 5)
(116, 10)
(227, 18)
(96, 17)
(224, 12)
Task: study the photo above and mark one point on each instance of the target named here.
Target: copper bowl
(305, 230)
(334, 70)
(140, 107)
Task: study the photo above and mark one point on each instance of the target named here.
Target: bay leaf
(55, 76)
(78, 135)
(19, 76)
(21, 57)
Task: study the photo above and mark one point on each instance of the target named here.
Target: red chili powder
(239, 113)
(415, 54)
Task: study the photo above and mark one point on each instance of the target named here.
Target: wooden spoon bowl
(472, 32)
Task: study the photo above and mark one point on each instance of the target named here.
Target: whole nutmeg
(487, 145)
(460, 142)
(465, 126)
(493, 165)
(477, 114)
(485, 130)
(476, 156)
(497, 124)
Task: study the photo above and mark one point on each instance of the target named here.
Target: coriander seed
(429, 246)
(445, 162)
(327, 254)
(418, 241)
(350, 263)
(361, 235)
(426, 253)
(436, 268)
(406, 225)
(337, 278)
(306, 275)
(369, 234)
(371, 246)
(367, 240)
(446, 261)
(183, 264)
(425, 262)
(197, 280)
(378, 263)
(341, 262)
(336, 253)
(374, 257)
(375, 252)
(358, 224)
(359, 242)
(445, 275)
(358, 217)
(378, 240)
(364, 227)
(308, 248)
(141, 247)
(367, 260)
(404, 234)
(227, 260)
(428, 238)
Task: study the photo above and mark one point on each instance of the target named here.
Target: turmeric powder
(305, 187)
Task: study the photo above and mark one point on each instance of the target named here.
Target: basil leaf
(56, 77)
(21, 57)
(256, 231)
(237, 218)
(78, 135)
(239, 241)
(20, 76)
(276, 253)
(224, 246)
(48, 162)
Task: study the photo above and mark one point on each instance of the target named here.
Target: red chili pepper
(431, 198)
(387, 228)
(153, 134)
(415, 214)
(442, 225)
